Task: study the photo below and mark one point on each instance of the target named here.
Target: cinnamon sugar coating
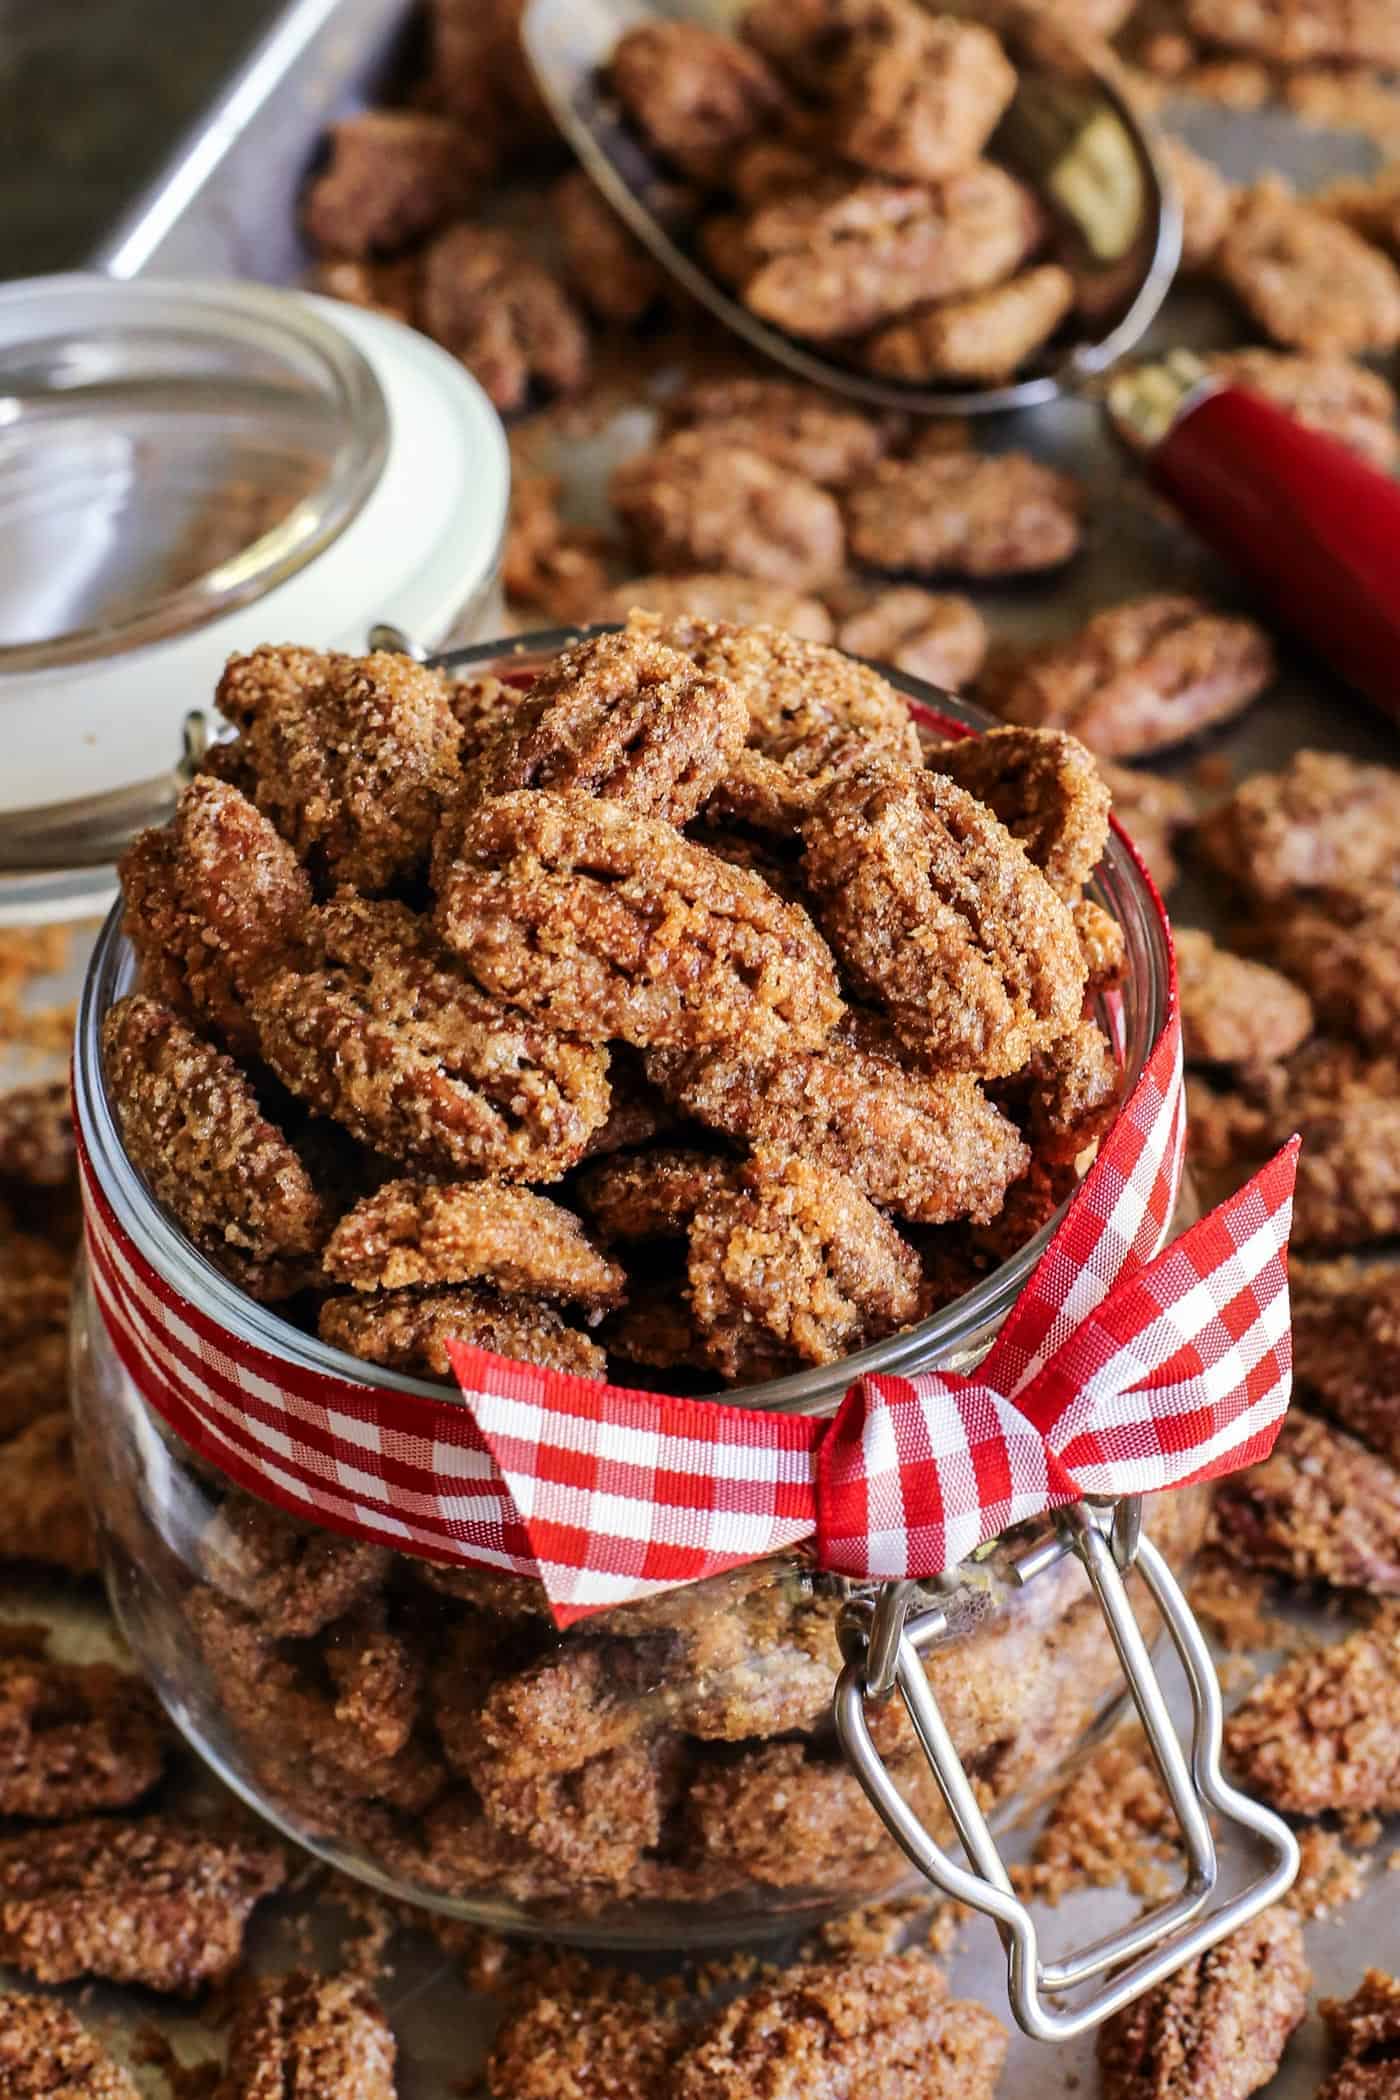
(1324, 1731)
(502, 314)
(608, 268)
(928, 1147)
(691, 503)
(795, 1262)
(596, 2035)
(1137, 678)
(294, 1580)
(392, 176)
(1323, 821)
(1306, 280)
(1343, 947)
(212, 901)
(1069, 1093)
(622, 717)
(421, 1232)
(309, 2038)
(408, 1330)
(155, 1903)
(693, 93)
(1329, 393)
(36, 1136)
(608, 923)
(652, 1194)
(1234, 1011)
(940, 918)
(43, 1514)
(1320, 1508)
(917, 96)
(841, 256)
(192, 1127)
(847, 2031)
(963, 514)
(352, 757)
(47, 2054)
(75, 1737)
(380, 1029)
(934, 635)
(1217, 2029)
(1365, 2033)
(1047, 791)
(721, 595)
(803, 428)
(982, 338)
(1103, 945)
(1346, 1347)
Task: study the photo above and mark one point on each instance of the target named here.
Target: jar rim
(1122, 885)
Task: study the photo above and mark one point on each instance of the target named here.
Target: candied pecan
(75, 1737)
(803, 39)
(1346, 1347)
(1070, 1091)
(621, 716)
(1030, 1204)
(1102, 944)
(293, 1578)
(1217, 2028)
(383, 1032)
(656, 1327)
(840, 257)
(691, 504)
(43, 1514)
(212, 901)
(1300, 32)
(153, 1902)
(1324, 1731)
(1309, 282)
(1206, 199)
(478, 73)
(502, 315)
(352, 757)
(930, 634)
(606, 265)
(591, 2034)
(192, 1127)
(482, 708)
(959, 513)
(1233, 1011)
(795, 1259)
(883, 2025)
(1343, 947)
(1365, 2033)
(775, 165)
(46, 2054)
(1047, 791)
(559, 568)
(1151, 809)
(1136, 678)
(723, 242)
(1332, 394)
(408, 1331)
(780, 1817)
(424, 1232)
(36, 1136)
(1111, 1826)
(718, 594)
(34, 1286)
(315, 2037)
(392, 176)
(693, 93)
(941, 919)
(588, 1700)
(917, 96)
(609, 923)
(1321, 1508)
(595, 1822)
(650, 1195)
(389, 288)
(637, 1116)
(928, 1147)
(1348, 1185)
(984, 337)
(1324, 821)
(802, 428)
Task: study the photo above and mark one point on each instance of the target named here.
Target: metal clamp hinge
(884, 1649)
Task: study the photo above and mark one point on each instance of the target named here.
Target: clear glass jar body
(662, 1773)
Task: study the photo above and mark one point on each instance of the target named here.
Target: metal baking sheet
(227, 206)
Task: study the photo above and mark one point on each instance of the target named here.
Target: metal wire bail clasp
(884, 1650)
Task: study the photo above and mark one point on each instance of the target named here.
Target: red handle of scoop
(1312, 527)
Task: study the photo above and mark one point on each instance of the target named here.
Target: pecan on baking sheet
(690, 503)
(1323, 821)
(1320, 1508)
(502, 314)
(1346, 1347)
(1235, 1011)
(718, 595)
(1365, 2033)
(796, 426)
(963, 514)
(309, 2038)
(47, 2054)
(1343, 947)
(1306, 280)
(1324, 1731)
(939, 636)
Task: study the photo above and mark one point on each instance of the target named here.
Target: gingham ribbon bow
(1119, 1371)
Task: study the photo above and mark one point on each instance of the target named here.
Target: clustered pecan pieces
(1324, 1731)
(1364, 2030)
(44, 1517)
(47, 2054)
(75, 1737)
(310, 2038)
(1217, 2029)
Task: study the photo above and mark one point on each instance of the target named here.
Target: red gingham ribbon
(1119, 1371)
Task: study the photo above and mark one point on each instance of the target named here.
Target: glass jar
(665, 1772)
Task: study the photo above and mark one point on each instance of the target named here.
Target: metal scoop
(1070, 134)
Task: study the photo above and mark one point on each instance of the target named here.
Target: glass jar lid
(188, 470)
